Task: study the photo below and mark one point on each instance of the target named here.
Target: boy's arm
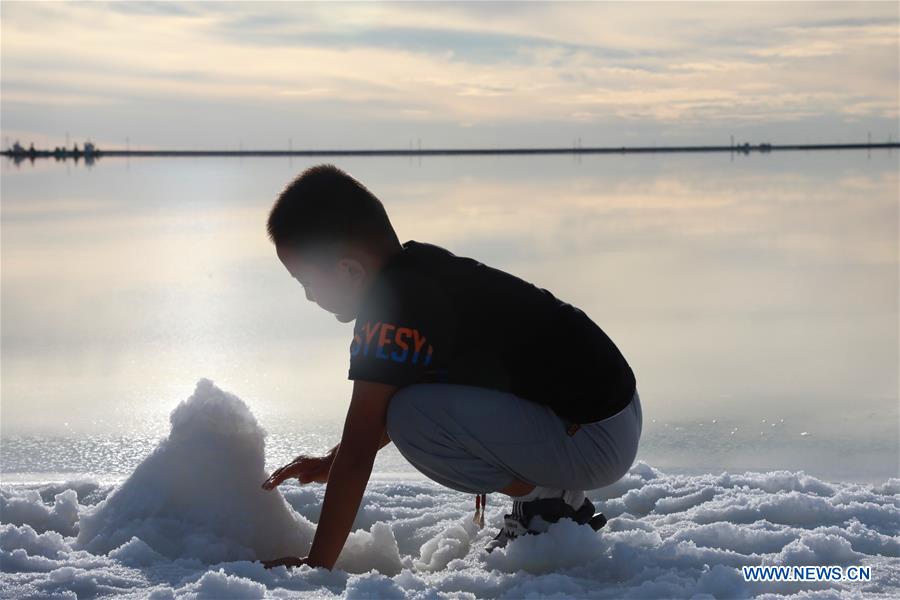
(364, 434)
(385, 440)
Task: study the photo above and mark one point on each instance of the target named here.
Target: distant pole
(290, 144)
(870, 138)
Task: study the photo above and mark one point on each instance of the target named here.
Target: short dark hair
(325, 208)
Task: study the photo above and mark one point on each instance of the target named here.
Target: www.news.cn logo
(807, 573)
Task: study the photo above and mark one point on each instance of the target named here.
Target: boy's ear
(353, 267)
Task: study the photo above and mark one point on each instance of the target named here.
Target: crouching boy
(483, 381)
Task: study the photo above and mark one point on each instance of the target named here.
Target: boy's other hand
(287, 561)
(304, 468)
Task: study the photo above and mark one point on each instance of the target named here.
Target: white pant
(478, 440)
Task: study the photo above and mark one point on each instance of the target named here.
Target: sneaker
(535, 517)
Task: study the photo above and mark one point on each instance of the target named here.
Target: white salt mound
(198, 495)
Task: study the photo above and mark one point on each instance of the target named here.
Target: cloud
(801, 50)
(455, 65)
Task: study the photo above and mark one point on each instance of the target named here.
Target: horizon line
(743, 148)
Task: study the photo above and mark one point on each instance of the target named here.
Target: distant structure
(746, 148)
(18, 153)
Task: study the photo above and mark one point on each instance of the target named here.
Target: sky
(308, 75)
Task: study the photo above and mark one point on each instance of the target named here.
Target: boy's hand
(287, 561)
(304, 468)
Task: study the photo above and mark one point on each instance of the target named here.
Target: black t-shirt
(432, 316)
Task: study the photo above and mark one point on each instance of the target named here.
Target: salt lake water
(755, 297)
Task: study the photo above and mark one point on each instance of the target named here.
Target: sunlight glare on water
(737, 287)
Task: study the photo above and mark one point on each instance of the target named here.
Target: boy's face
(335, 289)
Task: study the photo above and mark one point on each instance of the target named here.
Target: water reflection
(760, 287)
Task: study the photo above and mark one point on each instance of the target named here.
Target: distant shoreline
(739, 148)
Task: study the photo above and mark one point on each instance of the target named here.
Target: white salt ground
(191, 518)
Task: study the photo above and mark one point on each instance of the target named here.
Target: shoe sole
(597, 521)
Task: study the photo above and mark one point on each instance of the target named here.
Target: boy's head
(332, 234)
